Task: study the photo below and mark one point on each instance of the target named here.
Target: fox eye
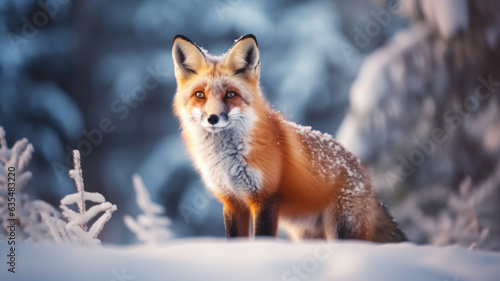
(199, 95)
(230, 95)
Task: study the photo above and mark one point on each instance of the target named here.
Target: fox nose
(213, 119)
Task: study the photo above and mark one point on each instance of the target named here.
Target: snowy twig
(149, 227)
(76, 228)
(76, 174)
(27, 212)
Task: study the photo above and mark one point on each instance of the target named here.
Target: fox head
(216, 93)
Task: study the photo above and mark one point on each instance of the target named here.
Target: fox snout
(213, 119)
(213, 122)
(214, 115)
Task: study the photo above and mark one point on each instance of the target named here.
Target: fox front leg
(236, 218)
(266, 218)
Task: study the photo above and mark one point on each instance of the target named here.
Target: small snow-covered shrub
(150, 227)
(75, 230)
(38, 221)
(29, 225)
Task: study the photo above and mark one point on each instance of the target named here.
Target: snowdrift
(218, 259)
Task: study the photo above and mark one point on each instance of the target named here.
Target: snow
(74, 198)
(218, 259)
(86, 215)
(76, 174)
(329, 158)
(55, 226)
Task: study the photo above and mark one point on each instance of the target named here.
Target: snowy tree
(424, 118)
(150, 227)
(76, 230)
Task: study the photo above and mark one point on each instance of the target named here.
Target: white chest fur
(220, 158)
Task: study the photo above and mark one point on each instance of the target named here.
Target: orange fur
(303, 176)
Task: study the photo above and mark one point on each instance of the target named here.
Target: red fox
(263, 167)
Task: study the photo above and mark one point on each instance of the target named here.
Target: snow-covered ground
(217, 259)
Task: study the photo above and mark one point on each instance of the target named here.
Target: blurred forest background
(411, 88)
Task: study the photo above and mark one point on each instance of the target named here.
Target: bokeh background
(410, 87)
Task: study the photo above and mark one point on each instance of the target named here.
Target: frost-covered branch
(76, 228)
(37, 220)
(150, 227)
(76, 175)
(15, 160)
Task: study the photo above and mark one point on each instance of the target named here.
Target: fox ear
(188, 57)
(243, 57)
